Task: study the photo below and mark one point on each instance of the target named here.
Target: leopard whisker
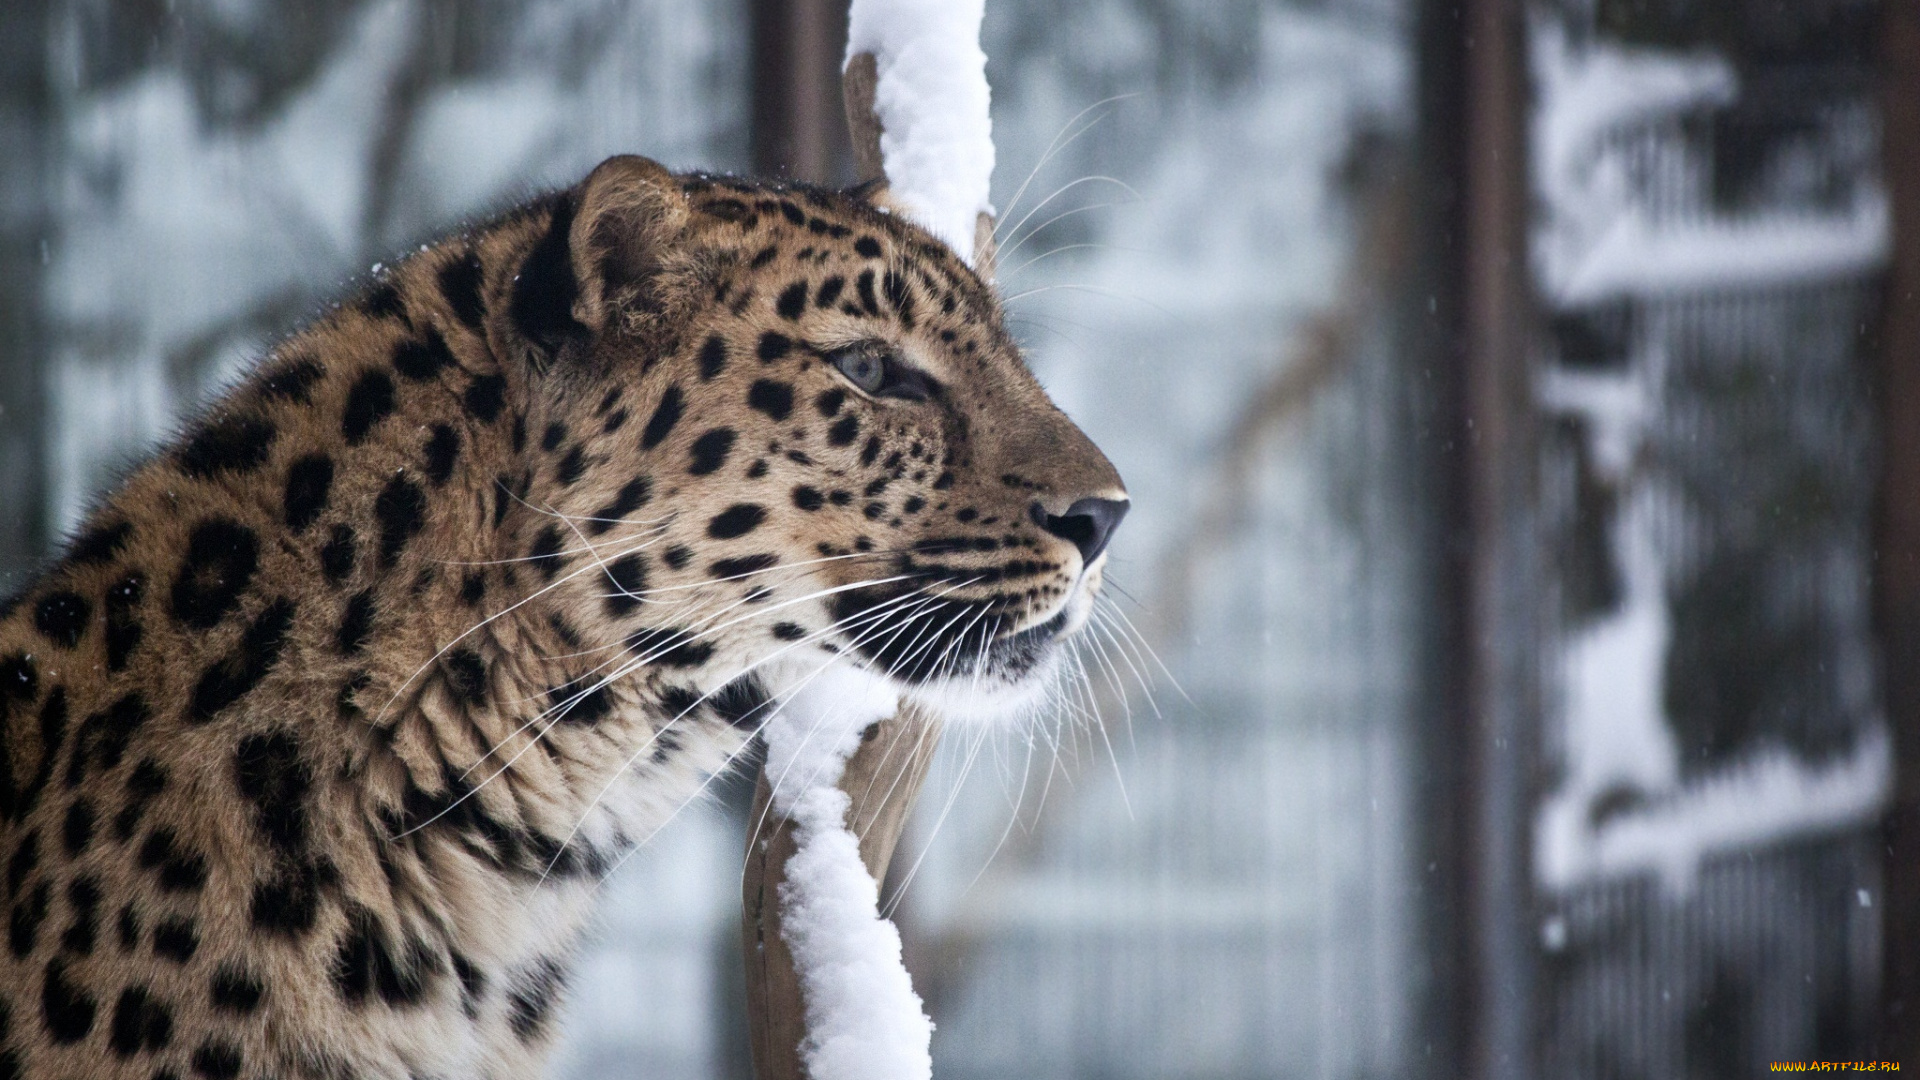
(1056, 146)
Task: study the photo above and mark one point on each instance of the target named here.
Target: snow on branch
(864, 1022)
(931, 100)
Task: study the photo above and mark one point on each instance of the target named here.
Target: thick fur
(319, 735)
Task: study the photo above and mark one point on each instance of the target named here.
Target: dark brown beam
(1474, 102)
(1896, 567)
(26, 125)
(799, 125)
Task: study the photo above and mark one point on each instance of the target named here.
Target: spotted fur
(321, 732)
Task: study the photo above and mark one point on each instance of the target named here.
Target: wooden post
(882, 777)
(882, 780)
(1896, 541)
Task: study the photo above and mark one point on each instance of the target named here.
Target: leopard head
(812, 441)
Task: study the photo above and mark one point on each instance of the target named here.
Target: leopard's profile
(320, 733)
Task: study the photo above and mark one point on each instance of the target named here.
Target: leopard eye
(876, 371)
(863, 366)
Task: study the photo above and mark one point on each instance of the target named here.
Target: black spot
(140, 1022)
(179, 870)
(553, 436)
(868, 247)
(62, 617)
(742, 702)
(584, 701)
(572, 467)
(774, 346)
(129, 927)
(770, 397)
(807, 498)
(829, 292)
(628, 574)
(793, 213)
(757, 470)
(309, 481)
(83, 898)
(614, 422)
(356, 625)
(792, 301)
(519, 436)
(473, 587)
(146, 780)
(366, 962)
(899, 296)
(736, 520)
(368, 402)
(713, 357)
(829, 401)
(103, 737)
(485, 397)
(844, 430)
(402, 510)
(26, 855)
(943, 481)
(665, 415)
(466, 676)
(670, 646)
(473, 985)
(235, 675)
(337, 556)
(292, 382)
(545, 552)
(99, 544)
(53, 731)
(77, 832)
(873, 510)
(678, 556)
(422, 360)
(229, 444)
(460, 282)
(709, 451)
(289, 904)
(383, 301)
(632, 496)
(221, 558)
(217, 1059)
(268, 770)
(532, 998)
(733, 568)
(68, 1009)
(870, 451)
(442, 449)
(545, 289)
(787, 631)
(678, 701)
(234, 990)
(864, 285)
(913, 505)
(23, 924)
(19, 680)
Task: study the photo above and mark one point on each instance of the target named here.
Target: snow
(1596, 239)
(864, 1022)
(936, 138)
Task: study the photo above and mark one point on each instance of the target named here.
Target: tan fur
(328, 815)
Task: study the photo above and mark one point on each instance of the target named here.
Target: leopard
(327, 723)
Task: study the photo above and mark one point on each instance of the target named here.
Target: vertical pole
(1475, 101)
(799, 127)
(1896, 574)
(26, 140)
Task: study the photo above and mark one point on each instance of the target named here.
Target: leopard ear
(629, 211)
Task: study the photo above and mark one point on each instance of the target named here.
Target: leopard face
(845, 451)
(316, 741)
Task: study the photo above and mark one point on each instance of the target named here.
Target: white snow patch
(864, 1021)
(932, 97)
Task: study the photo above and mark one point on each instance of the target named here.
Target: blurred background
(1521, 404)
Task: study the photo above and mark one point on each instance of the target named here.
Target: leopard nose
(1088, 524)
